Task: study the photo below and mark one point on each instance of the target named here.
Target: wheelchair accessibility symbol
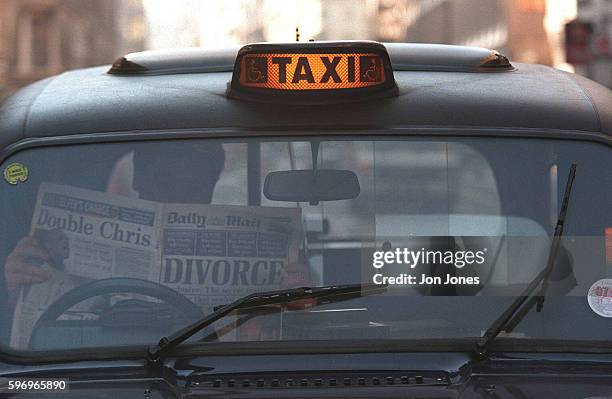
(256, 69)
(370, 69)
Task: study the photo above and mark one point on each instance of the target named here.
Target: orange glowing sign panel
(311, 71)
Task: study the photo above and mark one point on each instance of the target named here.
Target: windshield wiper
(513, 313)
(327, 294)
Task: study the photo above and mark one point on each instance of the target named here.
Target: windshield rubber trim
(296, 131)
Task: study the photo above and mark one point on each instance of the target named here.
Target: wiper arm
(332, 293)
(508, 316)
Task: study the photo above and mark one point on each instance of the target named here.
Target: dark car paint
(531, 101)
(405, 57)
(532, 97)
(405, 375)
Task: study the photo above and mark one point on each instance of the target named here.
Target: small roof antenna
(297, 34)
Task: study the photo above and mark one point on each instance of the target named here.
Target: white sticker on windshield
(600, 297)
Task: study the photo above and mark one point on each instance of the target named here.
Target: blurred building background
(521, 29)
(589, 40)
(39, 38)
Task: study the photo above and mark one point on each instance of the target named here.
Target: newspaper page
(88, 235)
(214, 254)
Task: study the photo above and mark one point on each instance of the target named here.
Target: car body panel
(406, 375)
(89, 103)
(531, 97)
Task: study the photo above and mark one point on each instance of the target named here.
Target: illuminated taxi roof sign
(322, 71)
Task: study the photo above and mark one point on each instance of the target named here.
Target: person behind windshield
(170, 172)
(176, 172)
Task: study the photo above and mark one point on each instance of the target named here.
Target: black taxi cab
(319, 219)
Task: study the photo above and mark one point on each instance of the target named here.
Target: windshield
(120, 244)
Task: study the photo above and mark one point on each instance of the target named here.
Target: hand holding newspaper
(212, 254)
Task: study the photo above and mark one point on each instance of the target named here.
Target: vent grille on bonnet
(319, 380)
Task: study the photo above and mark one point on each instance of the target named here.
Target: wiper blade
(328, 294)
(513, 313)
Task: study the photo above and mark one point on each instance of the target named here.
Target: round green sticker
(15, 173)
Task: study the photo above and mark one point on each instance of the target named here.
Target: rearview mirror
(311, 185)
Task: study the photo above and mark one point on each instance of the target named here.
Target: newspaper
(212, 254)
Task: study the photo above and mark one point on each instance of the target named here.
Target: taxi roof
(437, 89)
